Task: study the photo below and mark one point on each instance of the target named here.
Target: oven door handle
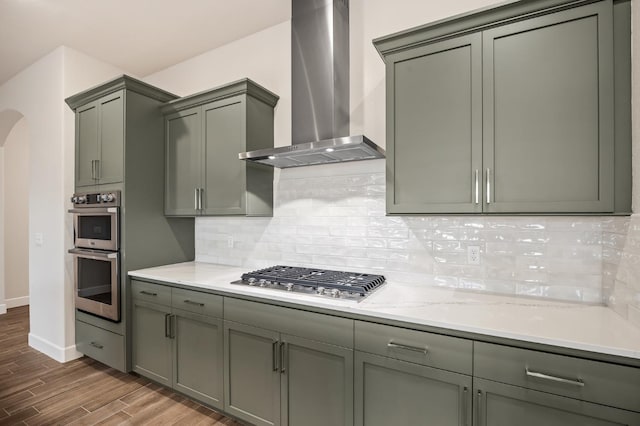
(92, 211)
(93, 254)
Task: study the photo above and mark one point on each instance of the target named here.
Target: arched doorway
(14, 209)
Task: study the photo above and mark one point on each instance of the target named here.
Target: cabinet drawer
(101, 345)
(448, 353)
(148, 292)
(310, 325)
(592, 381)
(197, 302)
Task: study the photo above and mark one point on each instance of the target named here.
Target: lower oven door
(97, 282)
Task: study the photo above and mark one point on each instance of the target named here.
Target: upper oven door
(96, 228)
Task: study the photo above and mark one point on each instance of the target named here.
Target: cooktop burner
(338, 284)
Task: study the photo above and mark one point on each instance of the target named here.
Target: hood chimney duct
(319, 70)
(319, 91)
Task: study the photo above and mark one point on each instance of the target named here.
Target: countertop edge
(552, 345)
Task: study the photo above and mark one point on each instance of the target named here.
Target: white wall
(3, 306)
(16, 215)
(38, 93)
(264, 57)
(370, 19)
(8, 119)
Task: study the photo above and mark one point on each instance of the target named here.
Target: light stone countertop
(566, 325)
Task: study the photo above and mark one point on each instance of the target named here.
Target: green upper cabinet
(86, 144)
(435, 99)
(205, 132)
(100, 141)
(511, 110)
(183, 162)
(548, 109)
(103, 120)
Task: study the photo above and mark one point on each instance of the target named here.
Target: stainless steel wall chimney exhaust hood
(320, 91)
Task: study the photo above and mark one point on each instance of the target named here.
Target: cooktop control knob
(262, 283)
(335, 292)
(82, 199)
(252, 281)
(289, 286)
(320, 290)
(74, 199)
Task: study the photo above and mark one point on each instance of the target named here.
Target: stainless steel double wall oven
(96, 238)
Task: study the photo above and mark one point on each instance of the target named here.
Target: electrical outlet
(38, 239)
(473, 255)
(230, 241)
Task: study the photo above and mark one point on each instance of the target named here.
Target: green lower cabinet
(394, 392)
(499, 404)
(252, 376)
(179, 349)
(317, 383)
(151, 344)
(198, 357)
(279, 379)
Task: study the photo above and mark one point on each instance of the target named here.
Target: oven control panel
(93, 199)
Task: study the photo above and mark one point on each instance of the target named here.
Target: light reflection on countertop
(569, 325)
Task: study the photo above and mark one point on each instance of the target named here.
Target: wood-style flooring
(36, 390)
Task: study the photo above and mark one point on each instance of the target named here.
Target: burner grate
(352, 282)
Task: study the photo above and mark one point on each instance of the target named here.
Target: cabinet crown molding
(244, 86)
(476, 20)
(122, 82)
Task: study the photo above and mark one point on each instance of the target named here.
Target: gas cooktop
(322, 282)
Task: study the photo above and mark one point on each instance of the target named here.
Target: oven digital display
(93, 198)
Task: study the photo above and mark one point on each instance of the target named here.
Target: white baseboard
(17, 301)
(56, 352)
(3, 309)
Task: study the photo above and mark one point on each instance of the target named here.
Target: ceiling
(138, 36)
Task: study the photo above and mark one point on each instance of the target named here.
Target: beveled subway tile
(388, 232)
(399, 244)
(448, 246)
(530, 237)
(470, 235)
(339, 212)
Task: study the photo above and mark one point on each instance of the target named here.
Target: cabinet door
(224, 131)
(110, 166)
(86, 144)
(499, 404)
(184, 162)
(393, 392)
(434, 128)
(548, 113)
(151, 342)
(317, 383)
(251, 374)
(198, 357)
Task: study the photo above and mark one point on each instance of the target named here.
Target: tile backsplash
(333, 216)
(621, 266)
